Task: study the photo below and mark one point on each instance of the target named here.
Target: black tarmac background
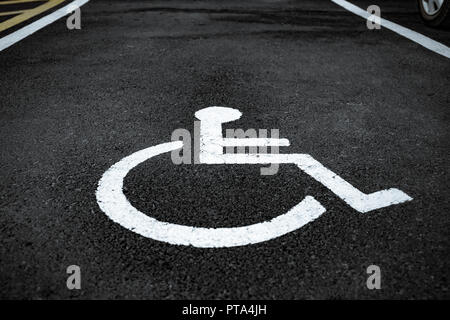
(370, 105)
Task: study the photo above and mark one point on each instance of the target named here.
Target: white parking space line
(405, 32)
(24, 32)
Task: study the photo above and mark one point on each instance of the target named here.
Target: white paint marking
(356, 199)
(114, 203)
(254, 142)
(211, 152)
(24, 32)
(405, 32)
(212, 142)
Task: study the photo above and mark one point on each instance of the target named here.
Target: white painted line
(418, 38)
(255, 142)
(24, 32)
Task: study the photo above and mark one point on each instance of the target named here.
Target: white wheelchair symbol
(114, 203)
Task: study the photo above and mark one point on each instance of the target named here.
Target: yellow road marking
(18, 1)
(10, 13)
(27, 14)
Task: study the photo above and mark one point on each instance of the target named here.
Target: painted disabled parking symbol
(114, 203)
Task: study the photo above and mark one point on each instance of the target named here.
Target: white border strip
(405, 32)
(24, 32)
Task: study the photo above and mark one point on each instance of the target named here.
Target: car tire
(435, 17)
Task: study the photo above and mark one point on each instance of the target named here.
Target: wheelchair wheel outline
(115, 205)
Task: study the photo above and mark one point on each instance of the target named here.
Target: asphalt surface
(368, 104)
